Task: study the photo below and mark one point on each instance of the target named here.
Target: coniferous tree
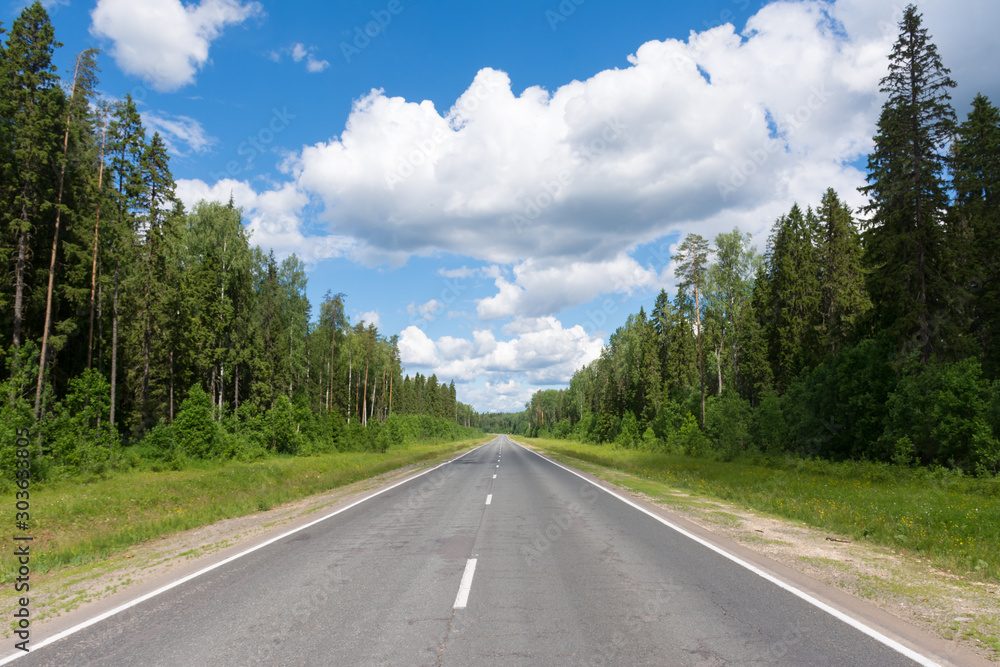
(791, 317)
(842, 282)
(80, 94)
(976, 182)
(126, 145)
(692, 269)
(32, 110)
(676, 346)
(905, 239)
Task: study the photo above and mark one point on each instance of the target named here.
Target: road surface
(499, 557)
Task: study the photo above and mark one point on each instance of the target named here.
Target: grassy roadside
(953, 521)
(75, 523)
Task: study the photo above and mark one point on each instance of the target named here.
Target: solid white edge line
(462, 598)
(489, 499)
(853, 622)
(164, 589)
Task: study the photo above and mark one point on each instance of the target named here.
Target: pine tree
(977, 208)
(692, 269)
(6, 164)
(905, 238)
(125, 149)
(842, 283)
(81, 92)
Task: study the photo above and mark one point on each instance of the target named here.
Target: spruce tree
(791, 316)
(905, 238)
(844, 299)
(977, 207)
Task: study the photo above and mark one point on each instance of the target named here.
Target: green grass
(951, 519)
(77, 522)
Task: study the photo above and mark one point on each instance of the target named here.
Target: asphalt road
(563, 574)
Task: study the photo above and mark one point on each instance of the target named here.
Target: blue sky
(501, 184)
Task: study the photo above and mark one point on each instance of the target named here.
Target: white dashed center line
(466, 585)
(489, 499)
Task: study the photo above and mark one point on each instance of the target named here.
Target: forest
(136, 330)
(857, 335)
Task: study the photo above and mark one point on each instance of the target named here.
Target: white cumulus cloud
(541, 352)
(164, 41)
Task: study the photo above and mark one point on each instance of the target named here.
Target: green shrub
(628, 434)
(196, 433)
(689, 438)
(727, 423)
(281, 427)
(768, 428)
(943, 408)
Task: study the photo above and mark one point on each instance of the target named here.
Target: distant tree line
(131, 324)
(874, 337)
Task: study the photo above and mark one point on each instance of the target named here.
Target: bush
(281, 427)
(628, 434)
(768, 428)
(843, 402)
(727, 422)
(81, 438)
(197, 434)
(943, 409)
(650, 442)
(689, 439)
(667, 421)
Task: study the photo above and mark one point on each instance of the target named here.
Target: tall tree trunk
(100, 323)
(97, 224)
(19, 269)
(55, 249)
(718, 354)
(364, 404)
(333, 343)
(114, 345)
(701, 358)
(211, 389)
(171, 409)
(222, 385)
